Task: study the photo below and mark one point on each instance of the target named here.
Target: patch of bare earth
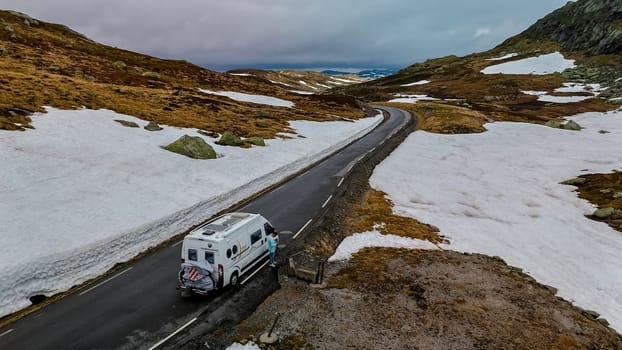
(406, 299)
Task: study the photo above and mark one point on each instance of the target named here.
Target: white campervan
(218, 252)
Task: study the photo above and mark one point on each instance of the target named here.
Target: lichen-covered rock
(153, 75)
(193, 147)
(553, 123)
(572, 125)
(230, 139)
(604, 213)
(119, 64)
(575, 181)
(153, 126)
(256, 140)
(127, 123)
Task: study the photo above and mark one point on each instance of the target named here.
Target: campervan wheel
(234, 279)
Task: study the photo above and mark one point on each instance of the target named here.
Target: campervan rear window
(209, 257)
(192, 254)
(255, 236)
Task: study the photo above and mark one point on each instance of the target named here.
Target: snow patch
(420, 82)
(543, 64)
(488, 198)
(259, 99)
(402, 98)
(352, 244)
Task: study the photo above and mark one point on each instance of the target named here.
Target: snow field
(81, 192)
(259, 99)
(498, 193)
(543, 64)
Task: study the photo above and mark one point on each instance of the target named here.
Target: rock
(603, 321)
(591, 313)
(572, 125)
(553, 123)
(153, 126)
(193, 147)
(617, 195)
(574, 182)
(153, 75)
(230, 139)
(119, 64)
(603, 213)
(127, 123)
(256, 140)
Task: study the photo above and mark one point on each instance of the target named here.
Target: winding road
(139, 307)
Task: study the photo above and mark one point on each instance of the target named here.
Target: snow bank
(420, 82)
(498, 193)
(545, 97)
(412, 98)
(543, 64)
(81, 192)
(358, 241)
(247, 346)
(260, 99)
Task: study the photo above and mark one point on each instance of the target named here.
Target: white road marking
(340, 182)
(7, 332)
(108, 280)
(178, 243)
(302, 229)
(327, 200)
(173, 334)
(253, 274)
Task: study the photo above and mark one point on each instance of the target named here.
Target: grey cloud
(293, 32)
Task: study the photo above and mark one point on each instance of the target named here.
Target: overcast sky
(294, 33)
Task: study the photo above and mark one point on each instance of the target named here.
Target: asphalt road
(139, 307)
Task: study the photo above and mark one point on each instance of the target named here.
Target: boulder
(153, 75)
(193, 147)
(230, 139)
(553, 123)
(574, 182)
(119, 64)
(127, 123)
(603, 213)
(256, 140)
(153, 126)
(572, 125)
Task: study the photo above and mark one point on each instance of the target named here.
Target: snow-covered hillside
(499, 193)
(81, 192)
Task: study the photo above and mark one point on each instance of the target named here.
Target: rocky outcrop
(593, 26)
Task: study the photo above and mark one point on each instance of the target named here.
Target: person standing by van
(272, 241)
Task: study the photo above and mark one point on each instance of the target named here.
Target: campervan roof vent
(213, 228)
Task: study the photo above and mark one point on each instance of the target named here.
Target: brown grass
(376, 210)
(445, 118)
(49, 65)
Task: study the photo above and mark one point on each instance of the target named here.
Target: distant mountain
(372, 74)
(369, 74)
(299, 81)
(588, 33)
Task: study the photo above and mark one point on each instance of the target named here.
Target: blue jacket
(271, 244)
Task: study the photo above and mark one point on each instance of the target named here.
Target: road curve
(139, 307)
